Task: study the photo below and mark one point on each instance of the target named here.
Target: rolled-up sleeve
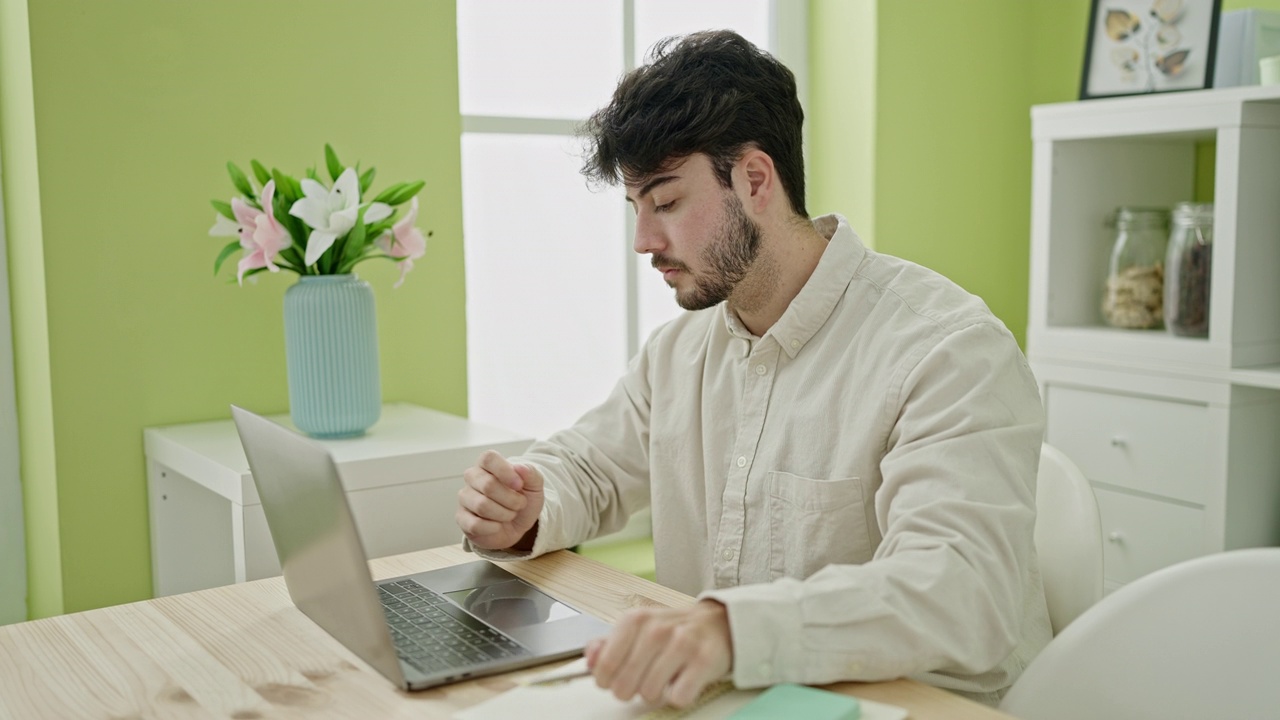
(596, 473)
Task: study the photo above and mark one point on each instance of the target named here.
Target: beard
(727, 259)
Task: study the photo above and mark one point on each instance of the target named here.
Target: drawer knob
(1115, 537)
(1118, 441)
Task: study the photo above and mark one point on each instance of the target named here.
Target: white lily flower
(331, 213)
(224, 226)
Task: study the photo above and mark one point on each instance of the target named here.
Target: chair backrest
(1200, 639)
(1068, 538)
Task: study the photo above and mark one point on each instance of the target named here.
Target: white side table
(401, 478)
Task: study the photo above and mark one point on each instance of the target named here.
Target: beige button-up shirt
(857, 486)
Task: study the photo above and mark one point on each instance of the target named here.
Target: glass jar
(1134, 291)
(1187, 270)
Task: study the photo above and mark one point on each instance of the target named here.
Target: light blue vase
(331, 348)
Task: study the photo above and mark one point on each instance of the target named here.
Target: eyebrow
(649, 186)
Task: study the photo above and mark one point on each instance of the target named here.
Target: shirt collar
(811, 307)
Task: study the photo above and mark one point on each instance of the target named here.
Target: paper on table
(548, 702)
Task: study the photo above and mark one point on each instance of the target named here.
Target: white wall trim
(13, 556)
(518, 125)
(789, 25)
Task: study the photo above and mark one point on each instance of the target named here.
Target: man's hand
(499, 503)
(664, 654)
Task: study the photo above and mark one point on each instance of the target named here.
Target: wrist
(717, 614)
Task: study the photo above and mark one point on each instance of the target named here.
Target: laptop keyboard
(432, 634)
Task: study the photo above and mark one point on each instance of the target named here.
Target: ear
(761, 180)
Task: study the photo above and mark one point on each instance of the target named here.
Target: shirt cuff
(765, 623)
(543, 543)
(498, 555)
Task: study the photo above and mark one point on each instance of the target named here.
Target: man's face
(696, 232)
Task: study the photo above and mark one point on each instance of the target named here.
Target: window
(556, 300)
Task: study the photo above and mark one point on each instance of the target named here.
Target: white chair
(1068, 538)
(1200, 639)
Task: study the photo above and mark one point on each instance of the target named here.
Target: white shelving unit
(1180, 436)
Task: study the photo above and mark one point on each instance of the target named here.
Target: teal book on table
(797, 701)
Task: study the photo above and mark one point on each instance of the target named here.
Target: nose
(649, 238)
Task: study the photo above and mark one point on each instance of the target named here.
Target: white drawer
(1141, 535)
(1157, 446)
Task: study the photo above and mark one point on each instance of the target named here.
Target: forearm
(575, 508)
(885, 620)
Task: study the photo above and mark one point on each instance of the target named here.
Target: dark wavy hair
(710, 92)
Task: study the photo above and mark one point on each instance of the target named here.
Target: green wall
(948, 154)
(137, 107)
(1057, 31)
(920, 128)
(953, 145)
(116, 120)
(842, 112)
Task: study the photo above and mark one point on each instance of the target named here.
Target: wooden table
(245, 652)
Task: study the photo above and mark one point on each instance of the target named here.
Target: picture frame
(1137, 47)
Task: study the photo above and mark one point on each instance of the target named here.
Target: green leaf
(239, 180)
(296, 229)
(390, 192)
(404, 195)
(286, 186)
(295, 186)
(351, 264)
(230, 247)
(280, 208)
(348, 246)
(251, 273)
(376, 229)
(365, 181)
(260, 172)
(311, 173)
(356, 238)
(224, 209)
(284, 189)
(284, 262)
(331, 160)
(294, 255)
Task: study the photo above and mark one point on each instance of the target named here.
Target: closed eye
(665, 208)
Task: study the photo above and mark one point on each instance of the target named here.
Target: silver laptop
(419, 630)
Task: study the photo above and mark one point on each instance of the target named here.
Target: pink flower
(261, 235)
(404, 241)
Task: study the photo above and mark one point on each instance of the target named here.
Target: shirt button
(795, 344)
(855, 668)
(761, 369)
(742, 461)
(727, 554)
(766, 670)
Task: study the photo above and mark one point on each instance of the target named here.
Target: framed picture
(1135, 47)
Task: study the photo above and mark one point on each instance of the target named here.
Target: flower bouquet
(312, 229)
(321, 233)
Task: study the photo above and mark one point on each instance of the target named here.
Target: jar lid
(1133, 217)
(1193, 213)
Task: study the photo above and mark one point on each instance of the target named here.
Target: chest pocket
(815, 523)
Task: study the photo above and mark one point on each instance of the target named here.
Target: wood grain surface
(245, 652)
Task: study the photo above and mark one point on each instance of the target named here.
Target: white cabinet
(1179, 436)
(401, 478)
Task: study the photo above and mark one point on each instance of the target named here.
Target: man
(839, 447)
